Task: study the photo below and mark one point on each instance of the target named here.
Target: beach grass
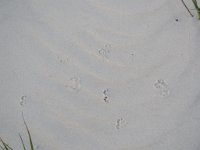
(196, 7)
(5, 146)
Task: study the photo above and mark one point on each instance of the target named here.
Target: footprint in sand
(74, 84)
(23, 100)
(162, 87)
(63, 60)
(106, 95)
(105, 51)
(121, 123)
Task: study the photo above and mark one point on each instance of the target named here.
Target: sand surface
(100, 74)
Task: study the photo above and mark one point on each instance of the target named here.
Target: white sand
(100, 74)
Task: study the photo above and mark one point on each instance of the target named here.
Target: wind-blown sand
(100, 74)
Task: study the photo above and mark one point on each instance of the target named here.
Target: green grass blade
(8, 147)
(195, 4)
(4, 144)
(187, 8)
(29, 135)
(1, 147)
(22, 142)
(196, 7)
(0, 144)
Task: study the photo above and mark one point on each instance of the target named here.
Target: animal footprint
(23, 100)
(121, 123)
(108, 46)
(63, 60)
(74, 84)
(105, 51)
(162, 86)
(105, 95)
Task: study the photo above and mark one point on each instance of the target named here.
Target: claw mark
(63, 60)
(108, 46)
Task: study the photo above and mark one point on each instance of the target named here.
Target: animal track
(63, 60)
(74, 83)
(121, 123)
(162, 86)
(23, 100)
(108, 46)
(105, 94)
(104, 52)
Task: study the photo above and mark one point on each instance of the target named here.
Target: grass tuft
(22, 142)
(187, 8)
(5, 146)
(29, 135)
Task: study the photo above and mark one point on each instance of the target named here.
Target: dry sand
(100, 74)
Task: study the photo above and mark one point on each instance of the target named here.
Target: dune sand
(100, 74)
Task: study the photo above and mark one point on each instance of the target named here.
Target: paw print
(162, 86)
(23, 100)
(121, 123)
(74, 84)
(105, 51)
(105, 95)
